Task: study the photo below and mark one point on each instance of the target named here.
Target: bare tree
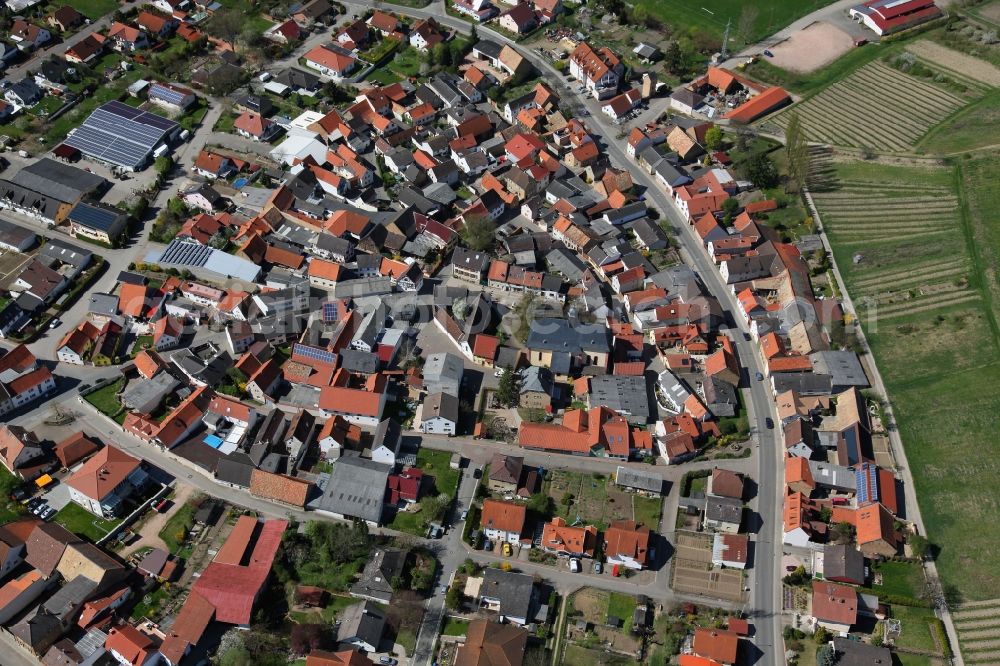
(747, 21)
(227, 25)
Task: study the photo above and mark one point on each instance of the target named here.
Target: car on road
(465, 514)
(769, 423)
(768, 53)
(574, 565)
(54, 323)
(759, 377)
(387, 660)
(444, 589)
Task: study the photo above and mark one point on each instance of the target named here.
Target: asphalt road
(765, 600)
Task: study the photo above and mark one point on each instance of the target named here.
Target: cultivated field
(955, 62)
(598, 501)
(876, 107)
(978, 625)
(812, 47)
(932, 277)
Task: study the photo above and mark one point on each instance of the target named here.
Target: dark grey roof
(633, 478)
(514, 591)
(804, 383)
(70, 598)
(843, 367)
(626, 394)
(356, 488)
(488, 48)
(561, 335)
(724, 509)
(294, 77)
(129, 277)
(388, 434)
(58, 179)
(443, 372)
(470, 259)
(563, 261)
(364, 621)
(13, 234)
(355, 360)
(536, 379)
(376, 578)
(444, 405)
(855, 653)
(66, 253)
(18, 196)
(649, 232)
(843, 562)
(688, 97)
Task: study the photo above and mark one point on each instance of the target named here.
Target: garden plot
(957, 63)
(595, 499)
(693, 572)
(875, 107)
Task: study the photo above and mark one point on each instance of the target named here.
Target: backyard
(106, 400)
(443, 481)
(80, 521)
(596, 500)
(175, 531)
(9, 509)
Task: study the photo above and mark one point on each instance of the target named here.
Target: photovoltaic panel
(120, 134)
(314, 353)
(329, 312)
(93, 217)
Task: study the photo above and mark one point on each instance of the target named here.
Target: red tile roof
(103, 473)
(503, 516)
(627, 539)
(717, 644)
(837, 604)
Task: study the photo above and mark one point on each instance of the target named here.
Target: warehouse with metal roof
(205, 261)
(122, 136)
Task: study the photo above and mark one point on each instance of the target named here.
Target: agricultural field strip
(840, 112)
(910, 281)
(956, 61)
(914, 306)
(913, 236)
(964, 613)
(920, 269)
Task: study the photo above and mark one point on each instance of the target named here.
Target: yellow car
(506, 549)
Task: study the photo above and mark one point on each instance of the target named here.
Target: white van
(574, 565)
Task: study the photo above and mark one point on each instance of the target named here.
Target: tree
(441, 55)
(842, 532)
(227, 25)
(713, 137)
(825, 656)
(673, 59)
(542, 504)
(919, 545)
(760, 170)
(747, 21)
(307, 637)
(162, 165)
(478, 232)
(509, 391)
(453, 599)
(729, 208)
(820, 636)
(797, 152)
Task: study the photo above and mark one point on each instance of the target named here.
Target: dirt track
(811, 48)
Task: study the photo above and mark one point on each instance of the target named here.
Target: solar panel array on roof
(189, 254)
(119, 134)
(315, 353)
(867, 484)
(93, 217)
(168, 94)
(329, 312)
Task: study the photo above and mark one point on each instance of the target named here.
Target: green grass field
(931, 271)
(177, 526)
(915, 631)
(621, 606)
(973, 128)
(106, 402)
(711, 15)
(435, 464)
(80, 521)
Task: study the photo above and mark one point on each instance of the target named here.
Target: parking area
(693, 572)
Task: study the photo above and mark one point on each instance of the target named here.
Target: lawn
(175, 530)
(647, 510)
(92, 9)
(80, 521)
(937, 345)
(142, 343)
(455, 627)
(621, 606)
(106, 401)
(710, 16)
(915, 630)
(327, 614)
(901, 579)
(974, 127)
(9, 509)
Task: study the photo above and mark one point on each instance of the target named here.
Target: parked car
(387, 660)
(465, 514)
(54, 323)
(574, 565)
(768, 53)
(769, 423)
(39, 509)
(506, 549)
(48, 513)
(598, 567)
(488, 545)
(759, 377)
